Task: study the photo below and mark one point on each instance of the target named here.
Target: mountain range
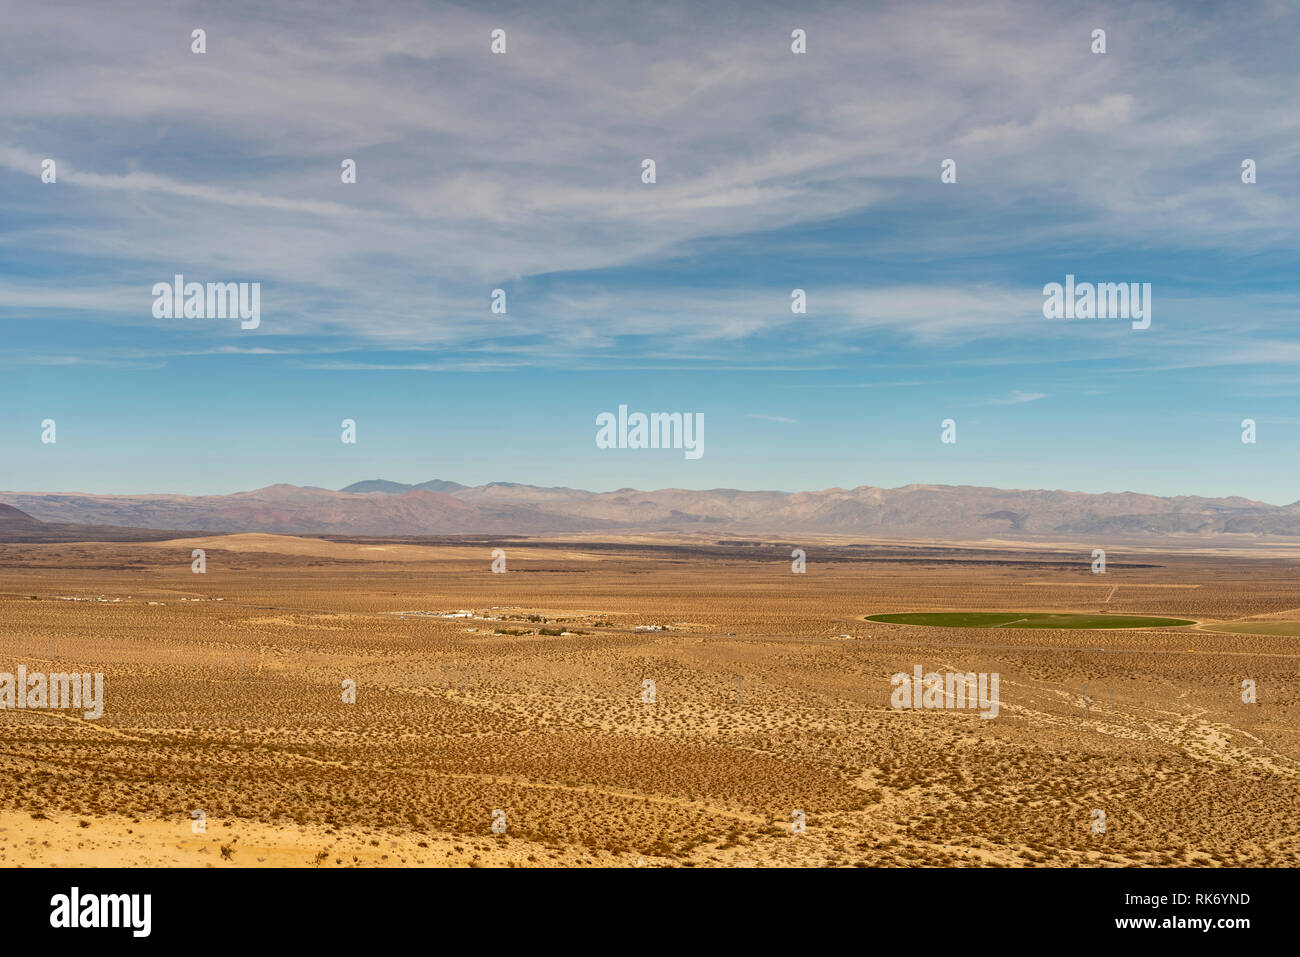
(383, 508)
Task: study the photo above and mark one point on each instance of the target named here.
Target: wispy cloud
(1016, 398)
(227, 164)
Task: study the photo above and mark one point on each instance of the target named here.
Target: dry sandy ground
(223, 693)
(347, 551)
(116, 841)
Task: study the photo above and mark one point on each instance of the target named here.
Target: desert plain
(645, 701)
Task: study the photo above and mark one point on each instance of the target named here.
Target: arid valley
(502, 718)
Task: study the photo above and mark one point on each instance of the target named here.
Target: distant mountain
(11, 518)
(18, 526)
(381, 508)
(378, 485)
(392, 488)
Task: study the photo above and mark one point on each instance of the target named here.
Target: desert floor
(224, 702)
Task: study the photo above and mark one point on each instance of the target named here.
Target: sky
(774, 171)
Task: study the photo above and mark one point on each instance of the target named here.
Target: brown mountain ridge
(382, 508)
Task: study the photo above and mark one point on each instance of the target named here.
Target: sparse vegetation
(449, 725)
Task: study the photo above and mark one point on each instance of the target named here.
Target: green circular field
(1026, 619)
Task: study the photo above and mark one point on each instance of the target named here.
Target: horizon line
(411, 487)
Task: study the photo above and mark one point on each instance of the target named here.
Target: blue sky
(775, 171)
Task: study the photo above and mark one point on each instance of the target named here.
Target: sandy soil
(223, 693)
